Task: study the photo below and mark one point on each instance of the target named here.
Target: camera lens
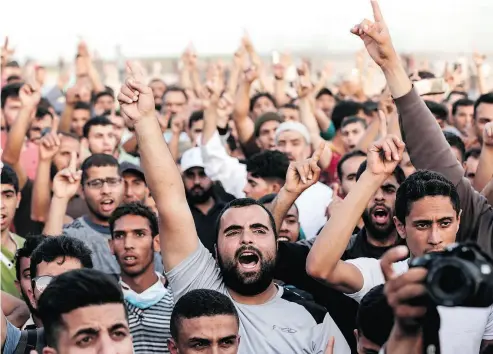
(450, 279)
(449, 282)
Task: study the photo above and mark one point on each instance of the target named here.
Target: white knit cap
(293, 126)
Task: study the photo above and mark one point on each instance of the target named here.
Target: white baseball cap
(191, 158)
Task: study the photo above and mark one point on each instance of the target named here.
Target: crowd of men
(236, 211)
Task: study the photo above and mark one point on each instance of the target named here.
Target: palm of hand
(63, 188)
(30, 98)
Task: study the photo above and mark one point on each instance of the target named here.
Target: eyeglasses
(99, 183)
(42, 282)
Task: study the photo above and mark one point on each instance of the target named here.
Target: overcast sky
(47, 29)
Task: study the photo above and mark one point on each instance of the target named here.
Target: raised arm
(485, 168)
(244, 124)
(324, 260)
(177, 231)
(48, 147)
(30, 97)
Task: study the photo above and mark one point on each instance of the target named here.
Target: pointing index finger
(136, 71)
(318, 153)
(54, 124)
(390, 257)
(377, 13)
(72, 166)
(383, 124)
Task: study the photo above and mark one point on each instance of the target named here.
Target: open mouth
(248, 259)
(108, 205)
(3, 217)
(129, 260)
(380, 215)
(283, 239)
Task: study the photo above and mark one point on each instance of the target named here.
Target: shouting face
(246, 249)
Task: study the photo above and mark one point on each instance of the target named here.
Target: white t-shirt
(312, 204)
(462, 328)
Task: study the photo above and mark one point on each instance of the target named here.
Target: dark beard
(195, 198)
(33, 311)
(380, 233)
(247, 284)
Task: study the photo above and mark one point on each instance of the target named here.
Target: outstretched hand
(135, 97)
(302, 175)
(376, 37)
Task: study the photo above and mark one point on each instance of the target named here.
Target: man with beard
(102, 188)
(134, 230)
(379, 233)
(135, 187)
(23, 274)
(205, 204)
(246, 245)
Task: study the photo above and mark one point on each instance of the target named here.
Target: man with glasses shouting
(102, 188)
(54, 256)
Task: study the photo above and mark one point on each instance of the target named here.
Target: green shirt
(8, 275)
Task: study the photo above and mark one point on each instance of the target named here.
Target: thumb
(330, 346)
(335, 190)
(54, 125)
(390, 257)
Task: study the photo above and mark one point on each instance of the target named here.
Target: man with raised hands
(427, 213)
(246, 244)
(424, 139)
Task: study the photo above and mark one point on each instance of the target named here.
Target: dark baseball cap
(130, 167)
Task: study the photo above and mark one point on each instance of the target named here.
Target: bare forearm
(210, 123)
(484, 172)
(40, 203)
(196, 84)
(54, 223)
(280, 92)
(322, 120)
(397, 79)
(481, 81)
(64, 126)
(399, 343)
(281, 204)
(334, 237)
(174, 145)
(232, 85)
(14, 309)
(244, 124)
(370, 136)
(97, 84)
(185, 80)
(17, 134)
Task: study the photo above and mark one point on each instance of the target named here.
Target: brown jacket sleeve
(429, 150)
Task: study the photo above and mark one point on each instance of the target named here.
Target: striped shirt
(150, 327)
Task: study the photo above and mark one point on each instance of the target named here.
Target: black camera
(461, 275)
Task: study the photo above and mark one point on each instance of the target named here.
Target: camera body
(461, 275)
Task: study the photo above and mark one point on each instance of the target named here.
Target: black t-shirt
(23, 223)
(291, 269)
(360, 247)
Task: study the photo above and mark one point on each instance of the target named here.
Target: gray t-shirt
(96, 237)
(278, 326)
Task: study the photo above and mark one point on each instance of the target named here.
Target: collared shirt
(8, 266)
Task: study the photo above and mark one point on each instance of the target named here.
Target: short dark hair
(98, 120)
(82, 105)
(200, 303)
(26, 250)
(486, 98)
(269, 165)
(423, 184)
(71, 291)
(352, 120)
(196, 116)
(290, 106)
(102, 94)
(258, 96)
(474, 153)
(345, 109)
(437, 109)
(346, 157)
(324, 91)
(13, 78)
(9, 176)
(98, 160)
(398, 173)
(267, 199)
(45, 103)
(242, 203)
(10, 90)
(42, 112)
(463, 102)
(461, 93)
(424, 74)
(375, 308)
(69, 135)
(176, 89)
(135, 208)
(455, 141)
(63, 246)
